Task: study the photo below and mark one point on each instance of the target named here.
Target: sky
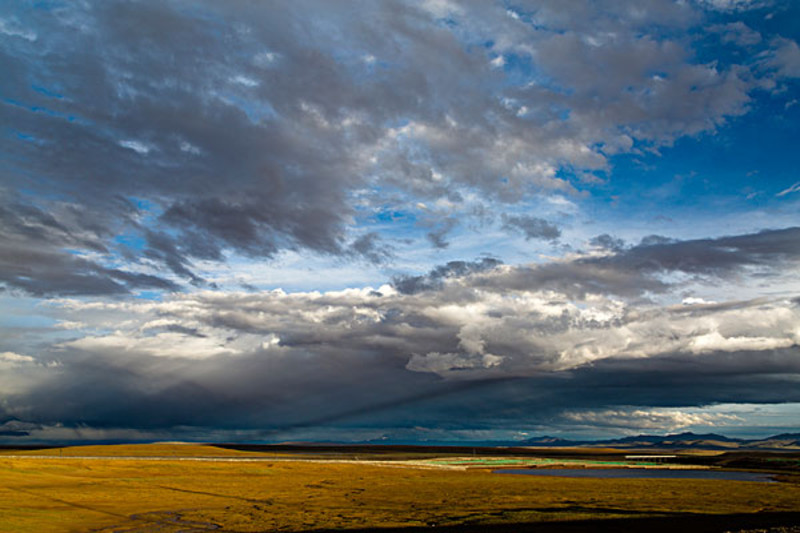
(399, 221)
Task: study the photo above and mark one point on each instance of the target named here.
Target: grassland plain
(121, 490)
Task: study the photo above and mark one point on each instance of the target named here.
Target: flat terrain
(171, 488)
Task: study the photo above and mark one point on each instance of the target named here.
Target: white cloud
(785, 58)
(789, 190)
(165, 344)
(265, 59)
(244, 80)
(441, 8)
(714, 341)
(12, 28)
(736, 32)
(467, 325)
(734, 5)
(648, 419)
(190, 148)
(15, 358)
(137, 146)
(70, 324)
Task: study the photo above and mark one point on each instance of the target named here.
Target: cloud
(786, 58)
(789, 190)
(531, 227)
(61, 251)
(651, 267)
(177, 341)
(435, 278)
(370, 247)
(737, 32)
(717, 256)
(658, 420)
(438, 235)
(15, 358)
(607, 242)
(43, 272)
(17, 428)
(244, 130)
(12, 28)
(469, 338)
(735, 5)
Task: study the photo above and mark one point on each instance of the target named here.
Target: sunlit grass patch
(108, 494)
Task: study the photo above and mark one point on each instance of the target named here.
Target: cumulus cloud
(786, 58)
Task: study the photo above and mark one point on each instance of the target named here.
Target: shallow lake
(641, 473)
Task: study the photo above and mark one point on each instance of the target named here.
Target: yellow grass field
(136, 495)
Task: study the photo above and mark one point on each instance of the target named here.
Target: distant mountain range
(784, 441)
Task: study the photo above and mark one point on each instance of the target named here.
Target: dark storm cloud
(532, 227)
(17, 428)
(245, 127)
(669, 381)
(256, 392)
(273, 396)
(678, 380)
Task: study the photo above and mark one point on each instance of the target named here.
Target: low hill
(688, 440)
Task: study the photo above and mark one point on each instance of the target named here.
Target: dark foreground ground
(734, 523)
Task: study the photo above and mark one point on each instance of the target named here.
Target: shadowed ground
(745, 523)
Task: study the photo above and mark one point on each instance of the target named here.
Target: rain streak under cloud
(403, 220)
